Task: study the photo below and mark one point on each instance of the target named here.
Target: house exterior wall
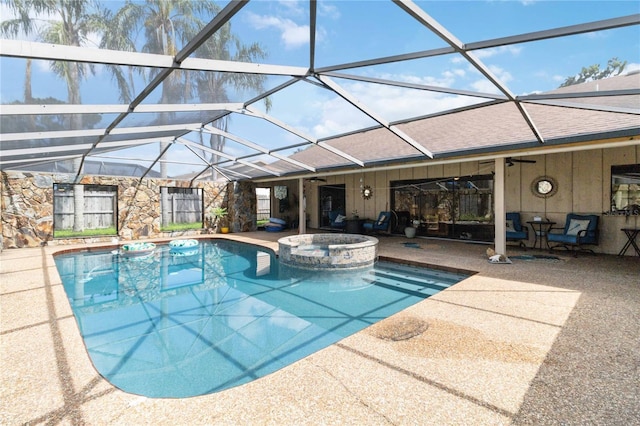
(583, 177)
(27, 207)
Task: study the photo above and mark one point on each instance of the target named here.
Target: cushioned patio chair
(337, 219)
(380, 225)
(515, 230)
(578, 231)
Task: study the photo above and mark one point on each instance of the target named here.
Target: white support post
(499, 208)
(302, 208)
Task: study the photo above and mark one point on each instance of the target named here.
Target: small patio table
(631, 234)
(543, 227)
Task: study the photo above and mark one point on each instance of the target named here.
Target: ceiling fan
(511, 161)
(315, 179)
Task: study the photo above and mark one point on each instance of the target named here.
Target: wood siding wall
(584, 186)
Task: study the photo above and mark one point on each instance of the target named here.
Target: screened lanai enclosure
(258, 89)
(149, 102)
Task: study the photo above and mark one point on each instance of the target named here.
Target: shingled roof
(496, 128)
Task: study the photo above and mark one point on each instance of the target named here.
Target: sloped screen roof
(258, 89)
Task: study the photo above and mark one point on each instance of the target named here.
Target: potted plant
(220, 219)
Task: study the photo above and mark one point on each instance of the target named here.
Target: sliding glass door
(455, 207)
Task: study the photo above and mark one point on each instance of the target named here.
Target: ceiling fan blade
(516, 160)
(510, 161)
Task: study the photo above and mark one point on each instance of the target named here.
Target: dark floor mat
(412, 245)
(536, 257)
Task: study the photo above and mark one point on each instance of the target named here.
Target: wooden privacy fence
(264, 207)
(99, 209)
(184, 208)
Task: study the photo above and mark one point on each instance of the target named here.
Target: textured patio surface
(532, 342)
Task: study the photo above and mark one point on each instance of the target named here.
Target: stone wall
(243, 207)
(27, 207)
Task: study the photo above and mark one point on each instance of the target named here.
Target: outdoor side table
(354, 226)
(631, 234)
(540, 230)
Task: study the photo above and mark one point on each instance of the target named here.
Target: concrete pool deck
(532, 342)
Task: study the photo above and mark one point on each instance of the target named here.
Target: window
(181, 208)
(455, 207)
(84, 210)
(625, 189)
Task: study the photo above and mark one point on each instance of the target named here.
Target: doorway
(459, 207)
(332, 198)
(263, 197)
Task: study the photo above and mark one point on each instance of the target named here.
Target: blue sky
(357, 30)
(350, 31)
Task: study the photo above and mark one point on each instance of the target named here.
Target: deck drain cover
(397, 329)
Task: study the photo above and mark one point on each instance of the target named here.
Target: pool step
(401, 279)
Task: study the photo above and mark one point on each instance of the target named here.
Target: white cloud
(484, 86)
(631, 68)
(328, 10)
(389, 102)
(446, 80)
(293, 7)
(494, 51)
(395, 103)
(336, 116)
(501, 73)
(291, 34)
(597, 35)
(452, 74)
(42, 66)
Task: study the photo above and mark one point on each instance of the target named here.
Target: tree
(212, 86)
(614, 67)
(71, 24)
(168, 25)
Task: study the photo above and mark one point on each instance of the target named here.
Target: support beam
(302, 208)
(370, 113)
(189, 143)
(413, 10)
(255, 113)
(215, 131)
(499, 207)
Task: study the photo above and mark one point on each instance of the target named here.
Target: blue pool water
(185, 323)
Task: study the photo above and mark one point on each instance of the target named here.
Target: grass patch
(70, 233)
(181, 227)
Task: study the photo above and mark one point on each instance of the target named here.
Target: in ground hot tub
(328, 251)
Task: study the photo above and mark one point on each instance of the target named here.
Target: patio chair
(380, 225)
(578, 231)
(337, 219)
(515, 230)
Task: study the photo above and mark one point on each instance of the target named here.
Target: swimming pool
(184, 324)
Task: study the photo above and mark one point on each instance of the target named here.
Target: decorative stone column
(243, 206)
